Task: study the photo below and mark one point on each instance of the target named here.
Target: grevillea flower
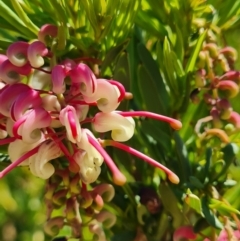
(35, 53)
(83, 78)
(17, 53)
(185, 232)
(122, 127)
(68, 118)
(88, 159)
(44, 114)
(11, 74)
(39, 163)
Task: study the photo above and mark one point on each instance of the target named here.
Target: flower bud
(213, 49)
(235, 119)
(229, 88)
(106, 191)
(46, 32)
(223, 63)
(17, 53)
(98, 202)
(36, 51)
(201, 60)
(74, 184)
(225, 108)
(54, 225)
(200, 80)
(59, 198)
(230, 52)
(216, 118)
(106, 218)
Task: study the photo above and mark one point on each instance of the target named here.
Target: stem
(19, 161)
(45, 71)
(7, 140)
(73, 166)
(171, 176)
(118, 177)
(175, 124)
(82, 102)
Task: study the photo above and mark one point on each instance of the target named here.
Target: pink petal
(17, 53)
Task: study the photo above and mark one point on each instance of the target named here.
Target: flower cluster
(219, 81)
(45, 104)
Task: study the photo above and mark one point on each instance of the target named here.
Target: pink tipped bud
(17, 53)
(200, 78)
(58, 76)
(105, 190)
(35, 53)
(46, 31)
(68, 118)
(202, 59)
(11, 74)
(230, 52)
(235, 119)
(225, 108)
(218, 133)
(106, 218)
(229, 88)
(59, 198)
(184, 232)
(82, 76)
(231, 75)
(54, 225)
(213, 49)
(216, 118)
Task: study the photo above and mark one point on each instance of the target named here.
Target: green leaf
(23, 16)
(155, 78)
(222, 207)
(149, 92)
(209, 215)
(152, 25)
(170, 204)
(112, 54)
(14, 20)
(194, 202)
(192, 60)
(196, 182)
(122, 74)
(182, 155)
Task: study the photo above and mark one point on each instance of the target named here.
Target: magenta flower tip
(173, 178)
(119, 179)
(176, 124)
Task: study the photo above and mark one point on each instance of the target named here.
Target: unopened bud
(230, 52)
(235, 119)
(213, 49)
(98, 202)
(54, 225)
(229, 88)
(59, 198)
(50, 190)
(106, 218)
(223, 63)
(201, 60)
(85, 199)
(74, 184)
(231, 75)
(200, 80)
(215, 118)
(106, 191)
(225, 108)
